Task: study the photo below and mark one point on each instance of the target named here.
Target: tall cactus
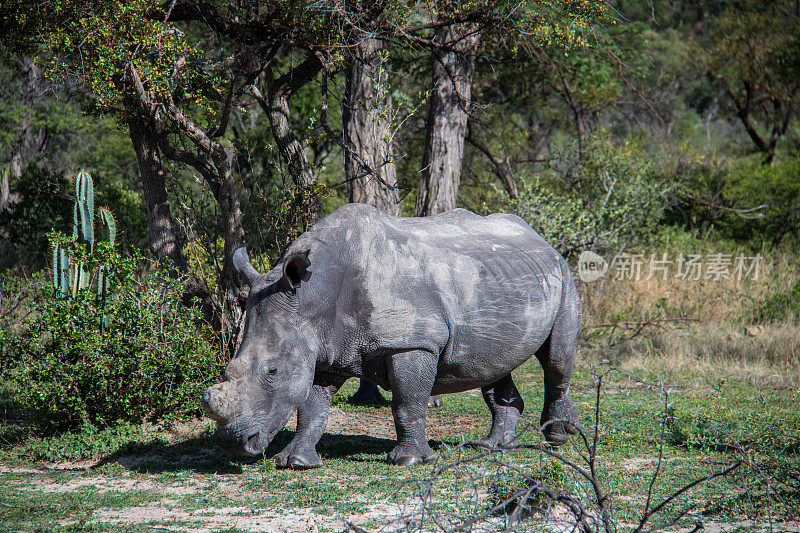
(71, 277)
(108, 233)
(83, 226)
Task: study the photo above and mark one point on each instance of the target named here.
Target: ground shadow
(337, 446)
(197, 454)
(354, 447)
(201, 454)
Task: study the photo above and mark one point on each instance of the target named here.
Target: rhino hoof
(506, 442)
(555, 439)
(299, 463)
(559, 421)
(557, 433)
(410, 460)
(407, 460)
(296, 461)
(435, 401)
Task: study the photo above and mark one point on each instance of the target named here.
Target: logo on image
(591, 266)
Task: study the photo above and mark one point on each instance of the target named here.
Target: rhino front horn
(218, 402)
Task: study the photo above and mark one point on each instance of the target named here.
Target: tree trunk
(28, 143)
(368, 161)
(292, 151)
(276, 107)
(453, 68)
(163, 238)
(5, 190)
(228, 200)
(578, 112)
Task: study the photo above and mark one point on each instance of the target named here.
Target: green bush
(604, 198)
(547, 473)
(737, 198)
(152, 363)
(776, 187)
(23, 229)
(85, 442)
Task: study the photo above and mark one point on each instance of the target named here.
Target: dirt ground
(341, 422)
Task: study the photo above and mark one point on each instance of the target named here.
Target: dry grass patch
(702, 355)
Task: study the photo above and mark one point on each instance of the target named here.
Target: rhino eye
(272, 371)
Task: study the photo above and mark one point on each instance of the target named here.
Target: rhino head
(273, 370)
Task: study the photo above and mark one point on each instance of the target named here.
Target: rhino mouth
(248, 437)
(253, 445)
(250, 443)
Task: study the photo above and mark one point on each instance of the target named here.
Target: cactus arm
(83, 213)
(108, 233)
(61, 271)
(56, 269)
(83, 228)
(108, 227)
(84, 192)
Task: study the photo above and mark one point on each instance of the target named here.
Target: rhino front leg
(312, 419)
(411, 375)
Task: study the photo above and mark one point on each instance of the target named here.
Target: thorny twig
(638, 327)
(590, 512)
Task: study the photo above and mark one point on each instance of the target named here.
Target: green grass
(702, 427)
(43, 511)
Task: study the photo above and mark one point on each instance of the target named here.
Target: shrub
(24, 228)
(738, 198)
(86, 442)
(777, 188)
(602, 199)
(547, 474)
(152, 362)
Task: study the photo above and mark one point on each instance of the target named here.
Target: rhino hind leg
(560, 414)
(506, 406)
(312, 419)
(368, 394)
(411, 375)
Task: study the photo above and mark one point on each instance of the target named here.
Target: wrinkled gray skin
(420, 306)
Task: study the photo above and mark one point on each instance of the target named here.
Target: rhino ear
(242, 264)
(295, 269)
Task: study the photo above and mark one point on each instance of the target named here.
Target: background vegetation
(663, 129)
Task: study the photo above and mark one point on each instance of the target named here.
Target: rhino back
(480, 292)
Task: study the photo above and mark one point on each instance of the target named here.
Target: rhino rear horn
(295, 269)
(242, 264)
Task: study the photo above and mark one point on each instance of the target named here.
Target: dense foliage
(602, 200)
(152, 362)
